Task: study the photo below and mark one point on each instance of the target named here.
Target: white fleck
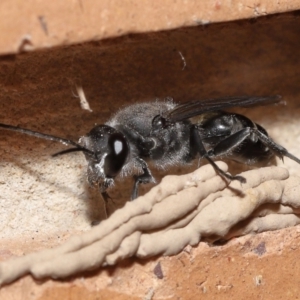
(258, 280)
(183, 59)
(83, 101)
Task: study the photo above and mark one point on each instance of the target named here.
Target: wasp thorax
(109, 150)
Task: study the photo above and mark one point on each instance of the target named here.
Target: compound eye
(117, 154)
(158, 122)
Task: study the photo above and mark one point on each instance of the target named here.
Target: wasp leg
(204, 154)
(144, 178)
(106, 198)
(227, 145)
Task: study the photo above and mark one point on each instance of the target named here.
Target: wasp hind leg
(207, 155)
(229, 144)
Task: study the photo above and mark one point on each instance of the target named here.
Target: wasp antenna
(42, 135)
(72, 150)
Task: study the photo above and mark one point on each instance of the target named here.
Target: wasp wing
(194, 108)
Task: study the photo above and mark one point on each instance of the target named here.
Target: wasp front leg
(145, 177)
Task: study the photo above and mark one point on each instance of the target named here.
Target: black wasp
(166, 134)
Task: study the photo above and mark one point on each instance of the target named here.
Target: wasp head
(107, 154)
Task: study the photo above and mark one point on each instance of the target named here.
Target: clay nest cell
(180, 211)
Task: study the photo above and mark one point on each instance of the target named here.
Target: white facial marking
(99, 166)
(118, 146)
